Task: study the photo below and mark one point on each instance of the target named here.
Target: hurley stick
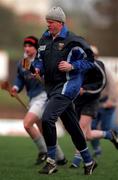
(6, 86)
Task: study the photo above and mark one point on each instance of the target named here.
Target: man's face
(29, 50)
(54, 26)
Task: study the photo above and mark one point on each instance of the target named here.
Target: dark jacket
(64, 47)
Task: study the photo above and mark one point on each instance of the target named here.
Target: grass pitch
(17, 156)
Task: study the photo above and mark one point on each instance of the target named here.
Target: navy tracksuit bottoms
(61, 106)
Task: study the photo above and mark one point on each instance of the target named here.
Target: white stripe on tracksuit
(68, 74)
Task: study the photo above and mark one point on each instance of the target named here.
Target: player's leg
(55, 106)
(77, 136)
(33, 125)
(30, 122)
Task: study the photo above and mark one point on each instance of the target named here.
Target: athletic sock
(86, 156)
(96, 147)
(77, 159)
(107, 135)
(95, 143)
(51, 151)
(40, 143)
(97, 151)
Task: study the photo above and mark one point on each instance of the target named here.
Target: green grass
(17, 155)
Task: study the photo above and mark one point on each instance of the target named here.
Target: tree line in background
(14, 28)
(106, 38)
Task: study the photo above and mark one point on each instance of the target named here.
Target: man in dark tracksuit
(59, 48)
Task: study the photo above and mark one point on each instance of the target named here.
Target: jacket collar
(62, 34)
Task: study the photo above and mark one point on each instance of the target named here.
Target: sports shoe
(41, 158)
(73, 166)
(50, 167)
(114, 138)
(62, 162)
(88, 170)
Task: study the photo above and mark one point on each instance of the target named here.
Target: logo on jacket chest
(60, 46)
(42, 48)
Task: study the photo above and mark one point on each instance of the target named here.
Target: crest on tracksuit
(61, 45)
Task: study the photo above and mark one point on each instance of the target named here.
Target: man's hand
(82, 91)
(64, 66)
(13, 91)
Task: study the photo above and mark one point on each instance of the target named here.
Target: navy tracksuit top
(66, 47)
